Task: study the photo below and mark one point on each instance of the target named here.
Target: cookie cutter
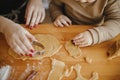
(41, 52)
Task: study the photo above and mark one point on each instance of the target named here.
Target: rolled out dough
(51, 44)
(57, 71)
(73, 50)
(77, 68)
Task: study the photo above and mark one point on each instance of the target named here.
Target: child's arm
(56, 10)
(107, 31)
(111, 26)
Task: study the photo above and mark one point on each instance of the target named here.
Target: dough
(57, 71)
(68, 72)
(73, 50)
(114, 50)
(94, 76)
(52, 46)
(88, 60)
(77, 68)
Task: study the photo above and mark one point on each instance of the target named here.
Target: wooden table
(108, 70)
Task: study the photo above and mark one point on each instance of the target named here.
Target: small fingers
(64, 22)
(68, 20)
(59, 23)
(55, 23)
(78, 36)
(80, 40)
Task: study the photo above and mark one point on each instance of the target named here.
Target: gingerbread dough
(51, 44)
(73, 50)
(77, 68)
(88, 60)
(57, 71)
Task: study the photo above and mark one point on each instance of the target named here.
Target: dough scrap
(52, 46)
(94, 76)
(73, 50)
(58, 68)
(88, 60)
(114, 50)
(77, 68)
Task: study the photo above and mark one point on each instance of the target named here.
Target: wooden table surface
(108, 70)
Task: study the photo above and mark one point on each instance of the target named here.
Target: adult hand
(19, 39)
(35, 13)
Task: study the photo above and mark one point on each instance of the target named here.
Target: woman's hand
(62, 21)
(35, 13)
(83, 39)
(19, 39)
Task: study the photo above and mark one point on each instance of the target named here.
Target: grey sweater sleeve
(111, 25)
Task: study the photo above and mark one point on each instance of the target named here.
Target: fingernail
(72, 42)
(26, 54)
(30, 55)
(31, 27)
(31, 50)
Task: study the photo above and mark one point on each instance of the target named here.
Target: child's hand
(83, 39)
(62, 21)
(35, 13)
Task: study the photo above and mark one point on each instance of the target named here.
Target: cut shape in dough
(58, 68)
(73, 50)
(68, 72)
(77, 68)
(114, 50)
(51, 44)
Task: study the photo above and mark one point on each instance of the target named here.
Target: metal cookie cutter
(39, 45)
